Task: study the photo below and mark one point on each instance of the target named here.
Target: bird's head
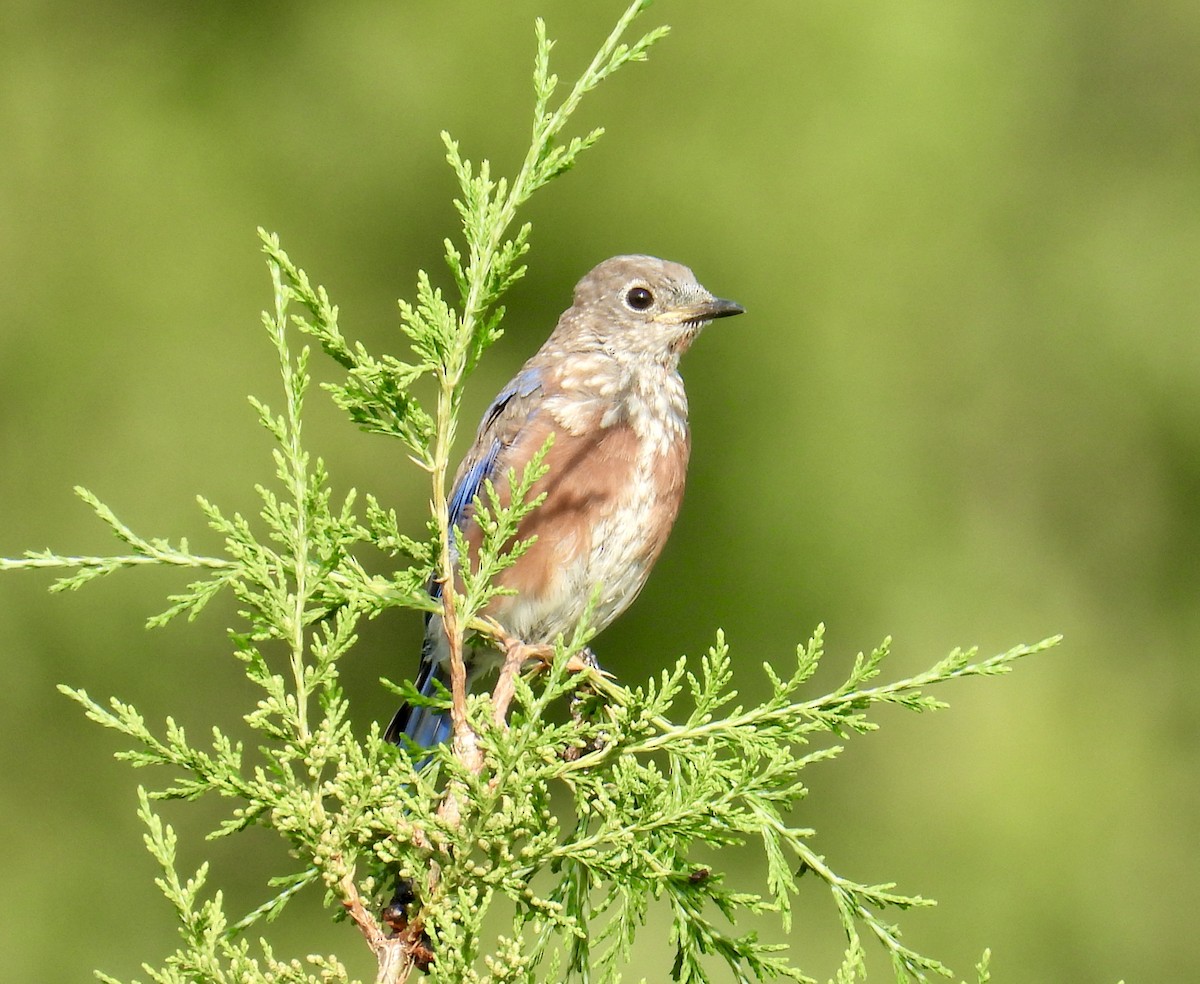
(643, 306)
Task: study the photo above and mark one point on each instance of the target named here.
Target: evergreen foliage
(571, 828)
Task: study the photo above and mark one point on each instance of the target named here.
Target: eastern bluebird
(606, 384)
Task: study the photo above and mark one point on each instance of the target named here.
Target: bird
(606, 386)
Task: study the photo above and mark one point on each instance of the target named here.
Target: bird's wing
(498, 431)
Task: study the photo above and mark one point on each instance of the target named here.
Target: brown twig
(466, 744)
(393, 953)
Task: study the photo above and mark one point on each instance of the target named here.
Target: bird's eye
(639, 298)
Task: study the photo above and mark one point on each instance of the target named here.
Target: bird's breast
(612, 492)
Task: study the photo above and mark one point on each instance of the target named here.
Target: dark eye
(639, 298)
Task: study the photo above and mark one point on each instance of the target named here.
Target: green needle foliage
(566, 828)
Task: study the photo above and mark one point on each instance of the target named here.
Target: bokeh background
(961, 409)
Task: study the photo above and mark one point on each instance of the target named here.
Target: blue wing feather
(524, 384)
(469, 485)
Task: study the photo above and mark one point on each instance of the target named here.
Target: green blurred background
(961, 408)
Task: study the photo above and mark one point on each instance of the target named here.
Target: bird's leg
(516, 655)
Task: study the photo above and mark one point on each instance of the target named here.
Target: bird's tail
(426, 726)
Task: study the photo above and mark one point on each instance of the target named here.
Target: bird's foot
(520, 653)
(583, 661)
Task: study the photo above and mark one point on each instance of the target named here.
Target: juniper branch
(576, 826)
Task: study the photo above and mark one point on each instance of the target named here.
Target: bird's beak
(718, 307)
(710, 309)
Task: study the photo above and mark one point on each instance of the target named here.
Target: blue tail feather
(424, 725)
